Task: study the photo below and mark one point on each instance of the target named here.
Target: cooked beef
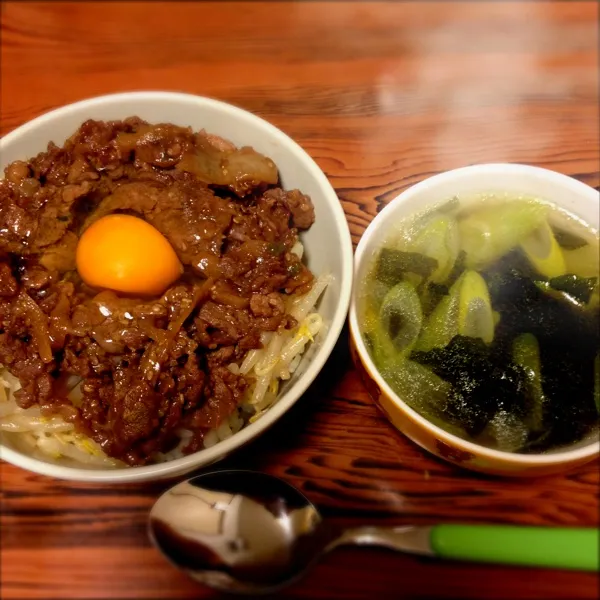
(299, 205)
(158, 145)
(215, 163)
(33, 373)
(149, 367)
(224, 391)
(268, 305)
(8, 284)
(30, 223)
(60, 257)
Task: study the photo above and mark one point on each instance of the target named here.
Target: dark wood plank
(381, 95)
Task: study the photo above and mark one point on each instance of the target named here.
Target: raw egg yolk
(126, 254)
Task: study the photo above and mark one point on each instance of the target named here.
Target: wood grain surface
(382, 95)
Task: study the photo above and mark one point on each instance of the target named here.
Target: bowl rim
(587, 193)
(206, 456)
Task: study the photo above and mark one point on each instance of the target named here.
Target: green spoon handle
(561, 548)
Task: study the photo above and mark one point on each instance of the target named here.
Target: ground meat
(155, 365)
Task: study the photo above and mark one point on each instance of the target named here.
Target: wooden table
(382, 95)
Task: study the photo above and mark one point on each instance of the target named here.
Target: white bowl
(328, 245)
(579, 199)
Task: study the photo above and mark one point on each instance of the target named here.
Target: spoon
(248, 532)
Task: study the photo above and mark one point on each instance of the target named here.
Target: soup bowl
(565, 192)
(327, 249)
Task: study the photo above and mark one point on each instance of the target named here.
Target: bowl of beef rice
(174, 273)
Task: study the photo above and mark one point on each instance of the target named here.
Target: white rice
(54, 438)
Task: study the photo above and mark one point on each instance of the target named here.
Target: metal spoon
(242, 531)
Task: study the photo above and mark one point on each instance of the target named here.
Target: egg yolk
(126, 254)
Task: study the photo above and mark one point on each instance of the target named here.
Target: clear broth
(483, 315)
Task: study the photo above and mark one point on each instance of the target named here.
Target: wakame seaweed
(482, 381)
(580, 288)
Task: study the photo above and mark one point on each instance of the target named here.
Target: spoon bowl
(238, 530)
